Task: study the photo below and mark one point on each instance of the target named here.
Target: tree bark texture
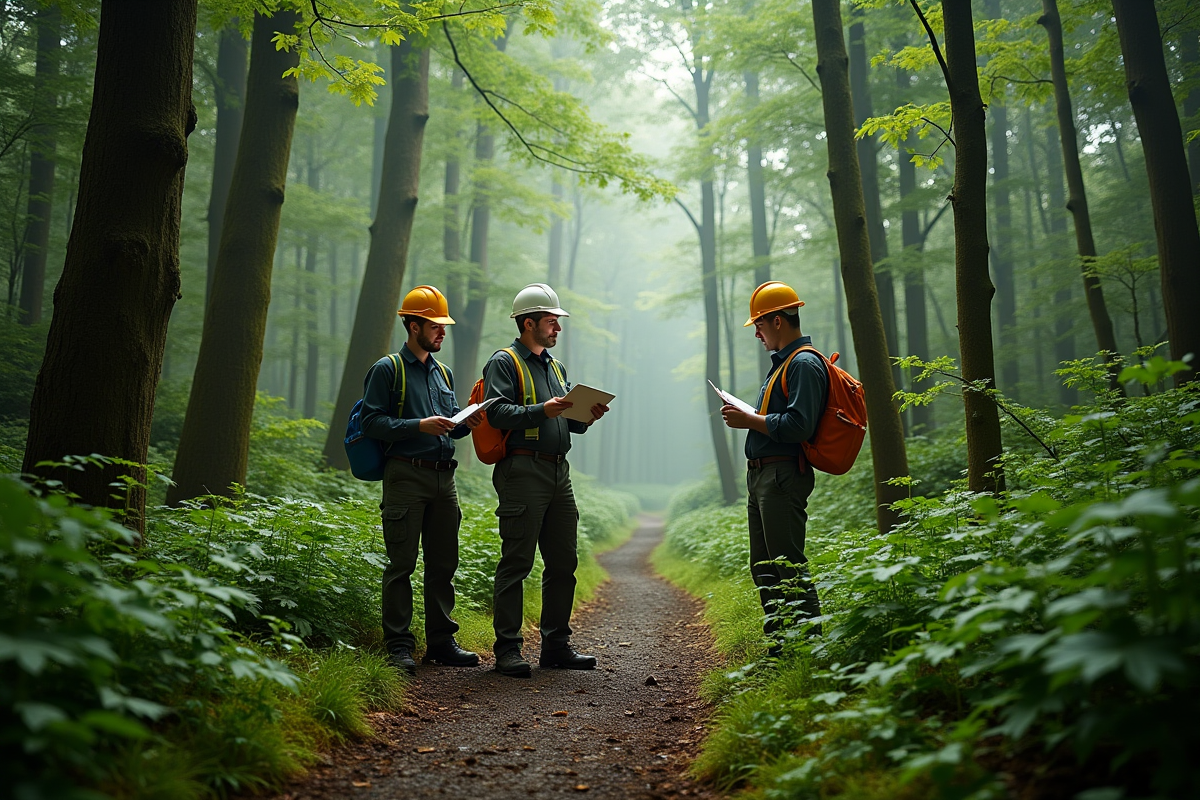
(120, 280)
(215, 441)
(1064, 337)
(1189, 54)
(233, 55)
(759, 239)
(916, 321)
(974, 285)
(451, 235)
(866, 323)
(860, 92)
(1077, 202)
(312, 249)
(1002, 252)
(391, 234)
(41, 166)
(1166, 165)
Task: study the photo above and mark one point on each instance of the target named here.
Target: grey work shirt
(511, 413)
(427, 394)
(791, 419)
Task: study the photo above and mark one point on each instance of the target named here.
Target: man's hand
(740, 420)
(436, 426)
(598, 411)
(474, 420)
(555, 406)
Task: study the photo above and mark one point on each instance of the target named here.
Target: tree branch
(803, 71)
(695, 224)
(937, 51)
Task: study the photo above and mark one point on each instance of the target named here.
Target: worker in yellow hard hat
(407, 404)
(778, 481)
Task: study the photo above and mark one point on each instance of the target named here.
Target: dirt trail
(628, 729)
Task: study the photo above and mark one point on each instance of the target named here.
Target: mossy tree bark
(233, 55)
(1166, 165)
(866, 323)
(1077, 202)
(120, 280)
(215, 441)
(41, 166)
(391, 234)
(759, 239)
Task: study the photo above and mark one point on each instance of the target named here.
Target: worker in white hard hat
(537, 506)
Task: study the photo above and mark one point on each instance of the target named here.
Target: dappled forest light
(253, 245)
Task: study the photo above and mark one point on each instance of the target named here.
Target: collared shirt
(791, 419)
(510, 412)
(427, 394)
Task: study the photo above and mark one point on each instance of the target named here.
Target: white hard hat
(537, 297)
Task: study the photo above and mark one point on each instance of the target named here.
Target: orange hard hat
(428, 303)
(772, 296)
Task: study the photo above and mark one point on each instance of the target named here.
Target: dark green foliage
(22, 348)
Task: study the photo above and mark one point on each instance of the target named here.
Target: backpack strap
(445, 373)
(562, 382)
(400, 376)
(525, 384)
(762, 408)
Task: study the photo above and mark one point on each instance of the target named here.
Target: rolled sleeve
(500, 380)
(377, 421)
(807, 385)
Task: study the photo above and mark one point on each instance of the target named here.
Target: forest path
(611, 732)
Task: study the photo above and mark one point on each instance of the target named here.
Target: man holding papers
(411, 410)
(778, 481)
(537, 506)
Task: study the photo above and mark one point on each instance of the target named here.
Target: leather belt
(758, 463)
(522, 451)
(440, 466)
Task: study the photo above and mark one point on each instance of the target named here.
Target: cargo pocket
(512, 520)
(395, 524)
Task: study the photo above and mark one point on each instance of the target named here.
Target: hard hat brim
(427, 313)
(750, 321)
(558, 312)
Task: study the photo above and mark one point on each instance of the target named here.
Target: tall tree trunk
(554, 259)
(379, 129)
(233, 55)
(860, 91)
(866, 323)
(313, 360)
(294, 351)
(1002, 252)
(974, 285)
(41, 166)
(1190, 55)
(916, 320)
(1033, 189)
(215, 441)
(759, 239)
(121, 277)
(335, 373)
(1077, 202)
(1166, 165)
(451, 235)
(839, 312)
(1064, 337)
(391, 234)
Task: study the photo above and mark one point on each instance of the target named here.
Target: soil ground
(628, 729)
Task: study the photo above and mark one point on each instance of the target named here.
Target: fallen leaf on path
(581, 787)
(425, 749)
(361, 784)
(527, 747)
(624, 644)
(651, 681)
(629, 713)
(559, 714)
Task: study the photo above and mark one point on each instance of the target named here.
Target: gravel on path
(628, 729)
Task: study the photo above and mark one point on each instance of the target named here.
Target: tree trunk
(335, 373)
(1030, 253)
(391, 233)
(379, 128)
(866, 323)
(839, 312)
(120, 280)
(1166, 165)
(1077, 202)
(1189, 52)
(215, 441)
(41, 166)
(313, 360)
(451, 235)
(974, 285)
(1002, 252)
(233, 54)
(759, 239)
(860, 92)
(916, 320)
(554, 260)
(1064, 337)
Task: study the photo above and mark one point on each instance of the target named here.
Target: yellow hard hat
(772, 296)
(428, 303)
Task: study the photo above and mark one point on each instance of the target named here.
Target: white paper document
(733, 401)
(583, 397)
(461, 417)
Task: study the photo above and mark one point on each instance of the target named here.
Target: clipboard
(583, 397)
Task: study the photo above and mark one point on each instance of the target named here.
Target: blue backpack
(366, 455)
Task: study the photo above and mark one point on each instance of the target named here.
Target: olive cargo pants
(537, 511)
(776, 503)
(420, 511)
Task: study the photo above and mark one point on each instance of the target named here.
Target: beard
(545, 339)
(427, 344)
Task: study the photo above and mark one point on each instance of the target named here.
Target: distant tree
(1170, 185)
(121, 275)
(229, 85)
(888, 452)
(215, 441)
(312, 249)
(760, 241)
(1002, 251)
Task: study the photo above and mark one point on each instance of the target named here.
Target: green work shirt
(427, 394)
(791, 419)
(511, 413)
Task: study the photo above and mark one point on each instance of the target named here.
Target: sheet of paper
(583, 397)
(733, 401)
(461, 417)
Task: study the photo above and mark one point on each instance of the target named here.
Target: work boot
(565, 657)
(449, 654)
(402, 659)
(511, 663)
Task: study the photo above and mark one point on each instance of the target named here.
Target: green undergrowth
(229, 646)
(1045, 642)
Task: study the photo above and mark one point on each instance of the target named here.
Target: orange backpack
(843, 424)
(491, 444)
